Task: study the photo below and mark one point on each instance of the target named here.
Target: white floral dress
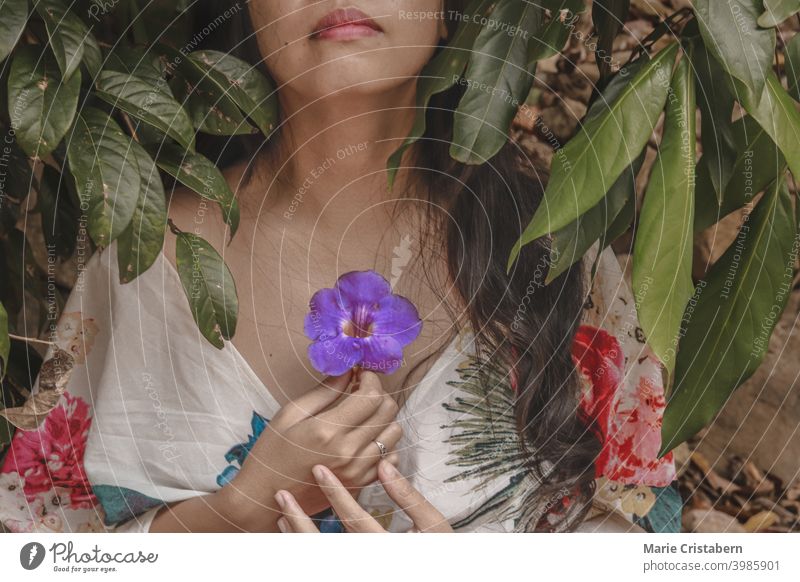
(153, 414)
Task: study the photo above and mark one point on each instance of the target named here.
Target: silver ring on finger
(382, 448)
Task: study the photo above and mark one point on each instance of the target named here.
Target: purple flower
(360, 322)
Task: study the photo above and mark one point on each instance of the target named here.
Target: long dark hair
(488, 206)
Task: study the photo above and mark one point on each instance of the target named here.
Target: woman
(487, 417)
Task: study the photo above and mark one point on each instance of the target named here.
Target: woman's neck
(331, 156)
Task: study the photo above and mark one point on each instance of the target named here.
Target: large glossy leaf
(209, 286)
(201, 175)
(608, 16)
(13, 17)
(555, 33)
(40, 105)
(439, 75)
(66, 33)
(731, 317)
(716, 106)
(792, 54)
(758, 162)
(775, 111)
(140, 244)
(250, 90)
(584, 170)
(5, 343)
(662, 256)
(498, 79)
(731, 33)
(776, 11)
(106, 174)
(571, 243)
(148, 103)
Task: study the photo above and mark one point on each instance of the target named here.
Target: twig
(30, 340)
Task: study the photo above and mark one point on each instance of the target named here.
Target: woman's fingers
(316, 400)
(347, 509)
(359, 406)
(389, 437)
(424, 515)
(294, 519)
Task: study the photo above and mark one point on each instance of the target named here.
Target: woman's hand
(426, 517)
(325, 426)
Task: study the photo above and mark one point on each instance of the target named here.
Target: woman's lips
(345, 24)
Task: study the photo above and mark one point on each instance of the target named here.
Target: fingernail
(282, 525)
(320, 473)
(279, 497)
(388, 470)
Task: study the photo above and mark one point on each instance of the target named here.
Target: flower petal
(361, 288)
(336, 356)
(326, 317)
(396, 317)
(382, 354)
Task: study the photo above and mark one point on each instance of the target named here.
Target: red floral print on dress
(627, 417)
(52, 456)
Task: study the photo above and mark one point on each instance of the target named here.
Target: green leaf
(92, 56)
(66, 32)
(40, 105)
(572, 242)
(147, 103)
(210, 107)
(60, 213)
(731, 317)
(554, 34)
(608, 16)
(201, 175)
(5, 342)
(106, 174)
(586, 168)
(731, 33)
(439, 75)
(138, 62)
(662, 256)
(209, 286)
(776, 11)
(498, 80)
(716, 106)
(250, 90)
(758, 162)
(13, 18)
(775, 111)
(792, 54)
(140, 244)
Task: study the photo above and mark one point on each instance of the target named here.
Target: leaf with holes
(40, 105)
(106, 174)
(250, 90)
(209, 286)
(201, 175)
(148, 103)
(140, 244)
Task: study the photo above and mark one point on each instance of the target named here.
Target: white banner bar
(379, 558)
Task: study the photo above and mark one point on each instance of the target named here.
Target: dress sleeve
(623, 401)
